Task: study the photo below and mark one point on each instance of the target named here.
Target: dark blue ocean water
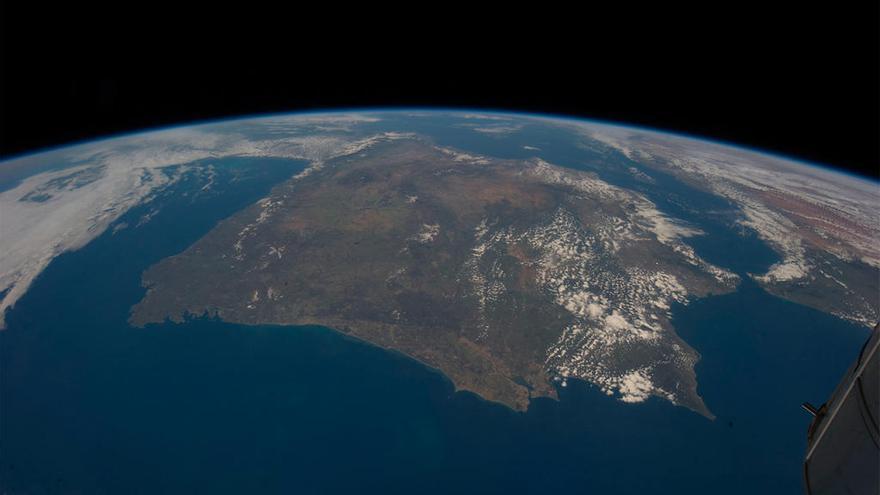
(91, 405)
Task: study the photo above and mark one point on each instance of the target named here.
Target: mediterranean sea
(89, 404)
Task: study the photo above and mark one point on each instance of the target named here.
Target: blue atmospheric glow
(447, 110)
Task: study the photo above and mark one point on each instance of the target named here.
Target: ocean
(89, 404)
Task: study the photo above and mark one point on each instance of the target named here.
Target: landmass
(823, 224)
(510, 277)
(61, 200)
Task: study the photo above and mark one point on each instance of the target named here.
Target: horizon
(826, 167)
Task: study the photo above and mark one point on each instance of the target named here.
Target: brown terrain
(381, 246)
(824, 225)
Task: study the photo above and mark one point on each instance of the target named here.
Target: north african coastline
(474, 266)
(818, 222)
(290, 405)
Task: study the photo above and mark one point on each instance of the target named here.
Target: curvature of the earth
(510, 272)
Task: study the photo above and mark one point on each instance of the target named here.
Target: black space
(793, 79)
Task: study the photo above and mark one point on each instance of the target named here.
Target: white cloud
(61, 215)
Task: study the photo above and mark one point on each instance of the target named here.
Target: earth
(554, 273)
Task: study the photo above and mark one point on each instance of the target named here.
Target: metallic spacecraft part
(843, 449)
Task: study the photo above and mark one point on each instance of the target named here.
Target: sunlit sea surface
(89, 404)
